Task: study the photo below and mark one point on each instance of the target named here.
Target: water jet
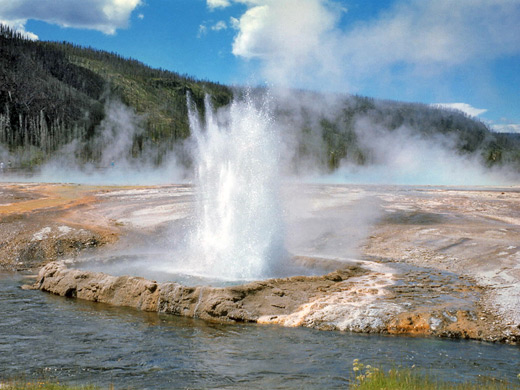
(238, 232)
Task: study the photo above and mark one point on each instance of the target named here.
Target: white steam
(118, 130)
(405, 157)
(115, 160)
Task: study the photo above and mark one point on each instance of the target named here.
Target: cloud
(442, 32)
(212, 4)
(506, 128)
(234, 23)
(19, 26)
(220, 25)
(203, 30)
(464, 107)
(301, 40)
(289, 36)
(103, 15)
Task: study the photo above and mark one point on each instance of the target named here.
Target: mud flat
(423, 261)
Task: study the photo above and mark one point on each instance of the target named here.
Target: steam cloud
(115, 164)
(405, 157)
(305, 44)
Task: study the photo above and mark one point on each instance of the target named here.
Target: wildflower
(356, 368)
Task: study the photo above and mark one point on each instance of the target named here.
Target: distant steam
(114, 160)
(405, 157)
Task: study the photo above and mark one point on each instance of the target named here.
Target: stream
(59, 339)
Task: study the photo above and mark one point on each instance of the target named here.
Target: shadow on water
(84, 342)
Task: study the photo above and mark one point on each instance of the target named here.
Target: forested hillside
(53, 95)
(348, 130)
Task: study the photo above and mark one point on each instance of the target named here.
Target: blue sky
(463, 52)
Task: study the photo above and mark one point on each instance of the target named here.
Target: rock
(245, 303)
(320, 302)
(98, 287)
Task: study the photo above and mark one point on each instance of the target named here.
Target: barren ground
(405, 260)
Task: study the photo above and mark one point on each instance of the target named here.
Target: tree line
(55, 93)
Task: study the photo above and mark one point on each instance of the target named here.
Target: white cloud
(103, 15)
(234, 23)
(19, 26)
(441, 32)
(218, 3)
(298, 40)
(506, 128)
(203, 30)
(140, 16)
(464, 107)
(220, 25)
(289, 36)
(212, 4)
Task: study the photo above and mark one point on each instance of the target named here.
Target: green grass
(365, 378)
(372, 378)
(41, 385)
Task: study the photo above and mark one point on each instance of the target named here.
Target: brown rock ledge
(337, 301)
(244, 303)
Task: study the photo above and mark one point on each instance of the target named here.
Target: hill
(350, 130)
(54, 95)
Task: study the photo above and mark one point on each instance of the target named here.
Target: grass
(367, 377)
(41, 385)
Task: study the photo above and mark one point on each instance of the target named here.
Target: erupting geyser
(239, 230)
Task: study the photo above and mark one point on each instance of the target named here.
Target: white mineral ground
(406, 260)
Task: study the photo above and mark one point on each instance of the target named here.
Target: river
(78, 342)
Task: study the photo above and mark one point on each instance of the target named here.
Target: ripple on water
(84, 342)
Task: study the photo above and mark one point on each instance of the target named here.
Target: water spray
(239, 229)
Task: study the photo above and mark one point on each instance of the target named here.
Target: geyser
(239, 231)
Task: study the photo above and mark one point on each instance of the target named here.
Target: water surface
(44, 336)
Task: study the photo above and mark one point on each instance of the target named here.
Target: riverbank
(433, 261)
